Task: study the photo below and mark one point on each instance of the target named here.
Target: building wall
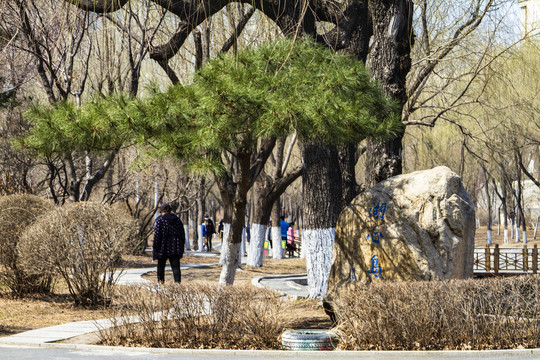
(530, 17)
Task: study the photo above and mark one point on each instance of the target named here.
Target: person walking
(169, 241)
(291, 239)
(284, 227)
(209, 229)
(220, 229)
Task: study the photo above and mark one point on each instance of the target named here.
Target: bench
(298, 243)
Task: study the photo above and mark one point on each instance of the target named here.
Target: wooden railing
(494, 260)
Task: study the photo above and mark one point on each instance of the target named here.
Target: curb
(284, 354)
(257, 282)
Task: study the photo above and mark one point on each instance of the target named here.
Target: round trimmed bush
(83, 242)
(17, 212)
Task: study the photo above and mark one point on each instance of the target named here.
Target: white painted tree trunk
(226, 231)
(512, 230)
(506, 238)
(256, 245)
(489, 238)
(518, 235)
(232, 262)
(318, 246)
(200, 240)
(524, 237)
(186, 230)
(277, 249)
(243, 243)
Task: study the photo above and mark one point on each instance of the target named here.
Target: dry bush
(199, 315)
(498, 313)
(144, 219)
(82, 242)
(17, 212)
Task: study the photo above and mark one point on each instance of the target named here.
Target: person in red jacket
(169, 240)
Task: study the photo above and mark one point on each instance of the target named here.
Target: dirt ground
(497, 237)
(17, 315)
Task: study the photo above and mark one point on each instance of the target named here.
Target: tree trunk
(259, 221)
(256, 245)
(267, 190)
(488, 199)
(200, 213)
(223, 186)
(389, 61)
(93, 179)
(74, 180)
(257, 224)
(232, 253)
(184, 215)
(520, 216)
(277, 248)
(231, 258)
(347, 163)
(322, 196)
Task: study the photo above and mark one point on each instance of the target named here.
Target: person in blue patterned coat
(169, 240)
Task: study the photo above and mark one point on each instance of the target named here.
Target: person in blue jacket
(208, 231)
(169, 240)
(284, 227)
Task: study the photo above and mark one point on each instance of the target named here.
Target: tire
(308, 340)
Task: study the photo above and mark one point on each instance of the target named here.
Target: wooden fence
(505, 261)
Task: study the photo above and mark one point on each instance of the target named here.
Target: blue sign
(375, 267)
(377, 211)
(375, 237)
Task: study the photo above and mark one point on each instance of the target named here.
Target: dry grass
(498, 313)
(38, 311)
(200, 315)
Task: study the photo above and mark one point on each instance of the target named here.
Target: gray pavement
(87, 352)
(292, 285)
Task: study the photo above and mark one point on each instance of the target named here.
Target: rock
(418, 226)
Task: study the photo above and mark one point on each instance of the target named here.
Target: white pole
(156, 198)
(200, 240)
(243, 245)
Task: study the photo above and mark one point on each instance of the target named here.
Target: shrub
(459, 314)
(199, 316)
(144, 218)
(83, 242)
(17, 212)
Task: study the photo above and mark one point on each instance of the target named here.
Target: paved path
(293, 285)
(92, 352)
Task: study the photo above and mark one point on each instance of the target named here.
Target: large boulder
(418, 226)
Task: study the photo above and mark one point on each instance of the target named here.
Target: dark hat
(165, 207)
